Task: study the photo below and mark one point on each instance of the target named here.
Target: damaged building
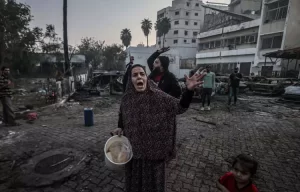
(242, 36)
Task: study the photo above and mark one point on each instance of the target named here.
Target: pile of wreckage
(289, 88)
(103, 82)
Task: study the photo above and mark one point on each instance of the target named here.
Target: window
(205, 45)
(231, 41)
(195, 23)
(211, 44)
(186, 33)
(197, 4)
(176, 32)
(195, 33)
(196, 14)
(187, 13)
(175, 41)
(272, 42)
(177, 13)
(185, 41)
(159, 42)
(188, 4)
(277, 10)
(238, 40)
(217, 44)
(186, 23)
(176, 22)
(193, 40)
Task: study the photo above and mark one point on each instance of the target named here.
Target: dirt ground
(206, 144)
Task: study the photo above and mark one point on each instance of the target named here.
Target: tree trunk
(65, 34)
(164, 41)
(147, 41)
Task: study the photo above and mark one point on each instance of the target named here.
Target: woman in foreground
(148, 119)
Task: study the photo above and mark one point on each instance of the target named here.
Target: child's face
(240, 174)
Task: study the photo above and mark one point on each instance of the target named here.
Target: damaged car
(272, 86)
(292, 92)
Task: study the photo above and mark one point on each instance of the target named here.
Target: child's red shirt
(229, 182)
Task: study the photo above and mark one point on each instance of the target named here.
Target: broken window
(277, 10)
(186, 23)
(277, 42)
(272, 42)
(200, 46)
(196, 14)
(197, 4)
(231, 41)
(188, 4)
(238, 40)
(217, 44)
(185, 41)
(211, 44)
(195, 33)
(205, 45)
(195, 23)
(187, 13)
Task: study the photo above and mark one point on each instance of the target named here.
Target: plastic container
(110, 164)
(88, 117)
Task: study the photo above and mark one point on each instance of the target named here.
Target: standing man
(208, 87)
(160, 74)
(5, 96)
(234, 83)
(128, 68)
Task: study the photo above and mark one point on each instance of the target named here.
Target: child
(239, 179)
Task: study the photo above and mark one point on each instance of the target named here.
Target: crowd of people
(147, 118)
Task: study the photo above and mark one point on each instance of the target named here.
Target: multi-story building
(279, 30)
(229, 47)
(228, 39)
(186, 18)
(241, 39)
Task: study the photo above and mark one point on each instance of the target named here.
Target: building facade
(279, 30)
(229, 47)
(186, 18)
(244, 44)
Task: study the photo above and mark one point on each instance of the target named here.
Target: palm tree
(126, 37)
(65, 33)
(146, 27)
(159, 33)
(163, 26)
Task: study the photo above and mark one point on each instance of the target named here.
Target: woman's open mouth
(140, 84)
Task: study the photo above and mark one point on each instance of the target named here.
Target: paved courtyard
(207, 142)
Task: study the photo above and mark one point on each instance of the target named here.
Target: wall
(292, 33)
(273, 27)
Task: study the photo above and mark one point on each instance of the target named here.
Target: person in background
(5, 96)
(239, 179)
(148, 119)
(208, 86)
(128, 67)
(160, 74)
(234, 84)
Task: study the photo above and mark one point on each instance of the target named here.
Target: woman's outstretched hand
(117, 131)
(193, 82)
